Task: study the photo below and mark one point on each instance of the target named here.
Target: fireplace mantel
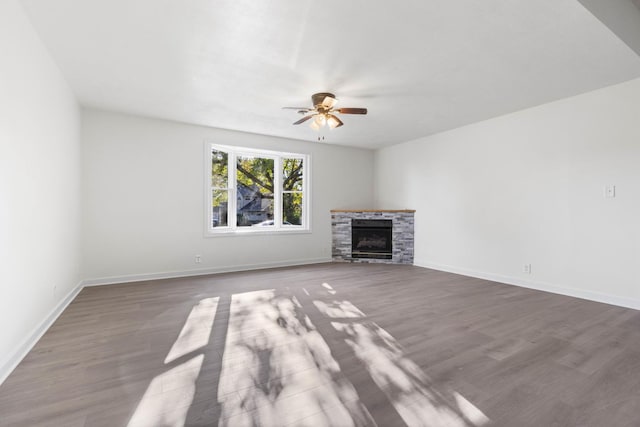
(374, 210)
(402, 234)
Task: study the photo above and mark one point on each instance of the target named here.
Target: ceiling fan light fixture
(320, 120)
(314, 125)
(333, 122)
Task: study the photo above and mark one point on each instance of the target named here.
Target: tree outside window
(292, 190)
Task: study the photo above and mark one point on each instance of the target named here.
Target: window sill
(271, 232)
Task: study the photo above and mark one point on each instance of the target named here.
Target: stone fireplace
(384, 236)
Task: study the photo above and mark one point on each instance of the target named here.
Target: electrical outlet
(526, 268)
(198, 259)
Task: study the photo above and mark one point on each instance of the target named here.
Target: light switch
(609, 191)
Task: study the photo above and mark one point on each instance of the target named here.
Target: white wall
(144, 205)
(528, 188)
(39, 187)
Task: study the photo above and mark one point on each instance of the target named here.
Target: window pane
(292, 174)
(292, 208)
(254, 177)
(219, 169)
(219, 202)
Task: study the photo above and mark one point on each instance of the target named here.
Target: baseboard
(537, 285)
(12, 361)
(112, 280)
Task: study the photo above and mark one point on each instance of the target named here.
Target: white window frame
(277, 227)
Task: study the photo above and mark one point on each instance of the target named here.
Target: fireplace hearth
(371, 238)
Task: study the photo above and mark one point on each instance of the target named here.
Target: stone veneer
(402, 234)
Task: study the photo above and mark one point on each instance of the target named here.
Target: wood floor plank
(329, 344)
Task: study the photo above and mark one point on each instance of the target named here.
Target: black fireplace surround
(371, 238)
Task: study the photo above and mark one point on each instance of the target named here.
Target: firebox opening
(371, 238)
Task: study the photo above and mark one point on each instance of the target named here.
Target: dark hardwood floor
(329, 344)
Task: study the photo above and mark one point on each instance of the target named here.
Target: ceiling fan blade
(304, 119)
(329, 102)
(352, 110)
(297, 108)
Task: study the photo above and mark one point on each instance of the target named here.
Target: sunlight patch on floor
(472, 413)
(416, 400)
(196, 330)
(404, 383)
(277, 369)
(169, 395)
(282, 368)
(329, 288)
(338, 309)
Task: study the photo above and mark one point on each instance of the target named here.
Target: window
(256, 190)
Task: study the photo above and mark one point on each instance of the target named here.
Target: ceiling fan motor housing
(318, 98)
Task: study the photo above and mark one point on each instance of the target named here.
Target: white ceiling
(419, 66)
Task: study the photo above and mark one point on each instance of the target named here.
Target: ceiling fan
(323, 111)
